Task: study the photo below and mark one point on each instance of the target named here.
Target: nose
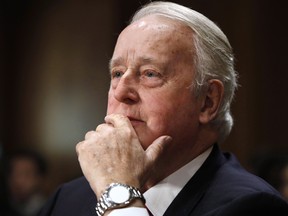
(126, 90)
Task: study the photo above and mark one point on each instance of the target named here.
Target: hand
(113, 153)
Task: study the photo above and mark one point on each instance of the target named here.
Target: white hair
(213, 56)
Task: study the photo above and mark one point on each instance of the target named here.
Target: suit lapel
(188, 198)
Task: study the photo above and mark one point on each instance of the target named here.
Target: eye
(150, 73)
(151, 77)
(116, 74)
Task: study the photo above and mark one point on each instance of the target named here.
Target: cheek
(160, 112)
(172, 113)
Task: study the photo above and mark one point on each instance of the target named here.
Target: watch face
(119, 194)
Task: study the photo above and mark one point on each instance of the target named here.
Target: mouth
(135, 121)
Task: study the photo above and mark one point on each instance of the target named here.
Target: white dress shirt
(159, 197)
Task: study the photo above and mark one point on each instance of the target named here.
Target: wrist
(119, 195)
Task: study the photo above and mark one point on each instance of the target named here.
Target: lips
(135, 121)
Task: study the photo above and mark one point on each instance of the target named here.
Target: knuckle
(80, 146)
(100, 127)
(89, 134)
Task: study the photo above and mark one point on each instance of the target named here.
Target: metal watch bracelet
(106, 203)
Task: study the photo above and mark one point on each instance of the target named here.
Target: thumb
(154, 151)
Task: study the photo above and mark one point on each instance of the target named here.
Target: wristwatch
(117, 195)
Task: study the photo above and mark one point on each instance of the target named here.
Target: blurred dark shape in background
(25, 173)
(3, 187)
(274, 169)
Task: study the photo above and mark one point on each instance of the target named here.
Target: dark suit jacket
(220, 187)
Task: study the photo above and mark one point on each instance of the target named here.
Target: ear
(212, 99)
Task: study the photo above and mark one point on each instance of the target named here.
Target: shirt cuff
(129, 211)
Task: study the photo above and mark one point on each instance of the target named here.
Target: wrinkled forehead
(160, 23)
(159, 32)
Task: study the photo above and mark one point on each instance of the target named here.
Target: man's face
(151, 77)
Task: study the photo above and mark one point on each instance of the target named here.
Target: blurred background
(54, 75)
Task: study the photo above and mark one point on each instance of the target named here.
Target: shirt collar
(159, 197)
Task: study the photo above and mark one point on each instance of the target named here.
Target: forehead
(155, 35)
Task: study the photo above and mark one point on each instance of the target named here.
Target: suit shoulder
(71, 198)
(233, 177)
(260, 203)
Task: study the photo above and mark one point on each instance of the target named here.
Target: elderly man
(172, 81)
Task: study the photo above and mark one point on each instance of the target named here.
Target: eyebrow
(121, 61)
(115, 62)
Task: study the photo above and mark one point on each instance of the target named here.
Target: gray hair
(213, 55)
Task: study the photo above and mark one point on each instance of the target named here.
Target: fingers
(111, 152)
(90, 134)
(118, 120)
(117, 139)
(115, 120)
(157, 148)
